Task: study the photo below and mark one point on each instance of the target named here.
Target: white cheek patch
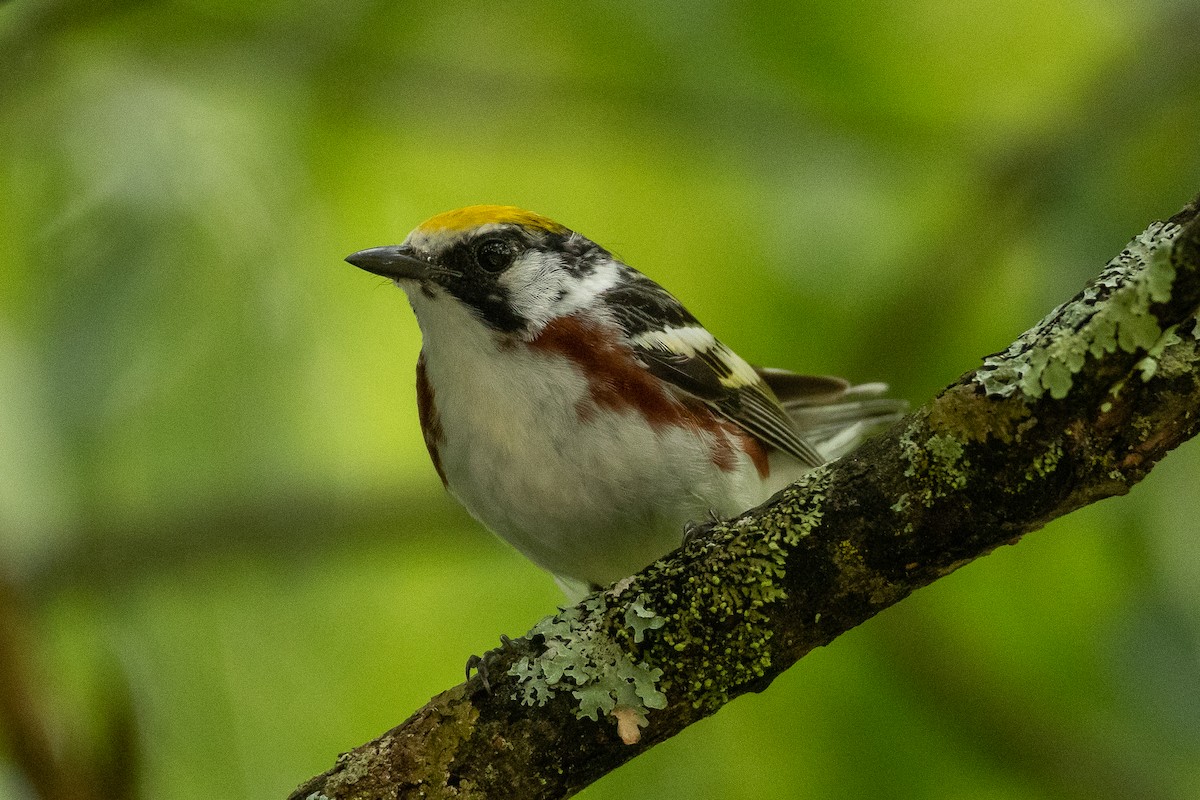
(531, 275)
(541, 289)
(534, 287)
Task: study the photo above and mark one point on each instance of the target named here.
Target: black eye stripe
(476, 281)
(480, 260)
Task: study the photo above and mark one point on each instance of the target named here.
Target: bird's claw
(480, 663)
(694, 529)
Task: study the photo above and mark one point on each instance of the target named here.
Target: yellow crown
(462, 219)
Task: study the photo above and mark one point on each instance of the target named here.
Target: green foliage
(212, 484)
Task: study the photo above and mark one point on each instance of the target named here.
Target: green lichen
(1046, 462)
(1158, 357)
(580, 656)
(901, 508)
(1148, 366)
(938, 463)
(350, 768)
(1112, 313)
(639, 617)
(959, 412)
(713, 623)
(1181, 360)
(947, 461)
(729, 589)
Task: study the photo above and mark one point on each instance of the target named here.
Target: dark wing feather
(792, 388)
(691, 374)
(673, 345)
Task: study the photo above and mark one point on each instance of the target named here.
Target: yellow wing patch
(463, 219)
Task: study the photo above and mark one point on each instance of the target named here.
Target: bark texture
(1078, 409)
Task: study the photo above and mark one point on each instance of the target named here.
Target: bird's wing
(676, 348)
(792, 388)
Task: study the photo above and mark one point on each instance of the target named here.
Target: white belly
(592, 497)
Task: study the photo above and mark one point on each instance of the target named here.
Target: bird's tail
(838, 424)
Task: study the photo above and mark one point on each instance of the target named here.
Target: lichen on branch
(1114, 311)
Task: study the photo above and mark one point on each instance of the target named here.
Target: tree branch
(1078, 409)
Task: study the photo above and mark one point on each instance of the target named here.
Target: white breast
(593, 498)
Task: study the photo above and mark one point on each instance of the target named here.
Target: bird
(580, 412)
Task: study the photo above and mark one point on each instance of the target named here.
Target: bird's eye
(494, 255)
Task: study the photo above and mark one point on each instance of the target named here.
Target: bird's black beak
(393, 261)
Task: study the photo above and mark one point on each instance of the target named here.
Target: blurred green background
(225, 557)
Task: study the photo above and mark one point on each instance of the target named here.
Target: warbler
(580, 412)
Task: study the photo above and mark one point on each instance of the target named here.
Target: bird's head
(514, 270)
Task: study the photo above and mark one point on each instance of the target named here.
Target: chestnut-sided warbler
(578, 410)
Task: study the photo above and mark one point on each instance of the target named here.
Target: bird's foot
(480, 663)
(695, 529)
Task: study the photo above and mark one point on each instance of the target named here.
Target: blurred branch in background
(49, 743)
(295, 525)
